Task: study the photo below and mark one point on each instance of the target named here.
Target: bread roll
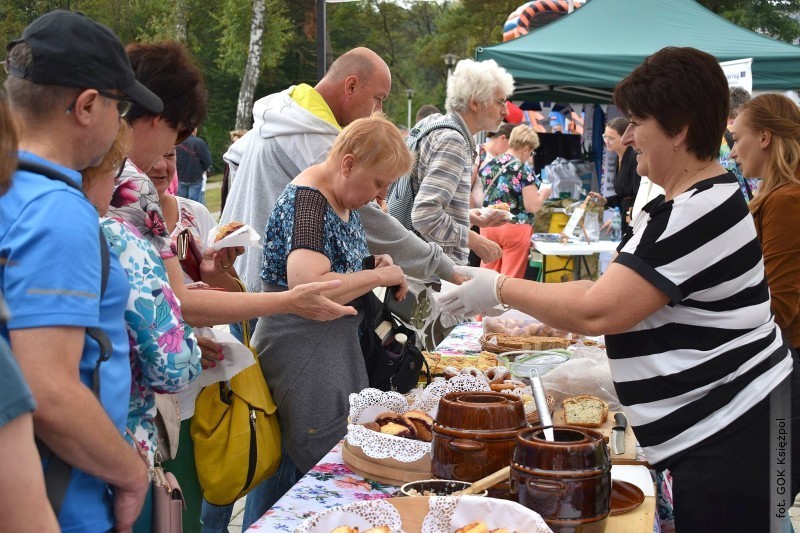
(227, 229)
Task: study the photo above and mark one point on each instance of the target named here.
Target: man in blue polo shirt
(69, 83)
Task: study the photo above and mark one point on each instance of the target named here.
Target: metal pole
(322, 56)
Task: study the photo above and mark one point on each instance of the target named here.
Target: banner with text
(739, 73)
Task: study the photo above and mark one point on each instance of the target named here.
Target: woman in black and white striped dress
(698, 363)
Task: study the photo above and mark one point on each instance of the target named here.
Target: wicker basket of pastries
(501, 343)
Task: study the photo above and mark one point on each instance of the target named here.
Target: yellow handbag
(237, 440)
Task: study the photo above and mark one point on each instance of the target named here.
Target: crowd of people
(109, 279)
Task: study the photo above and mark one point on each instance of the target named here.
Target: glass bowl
(521, 362)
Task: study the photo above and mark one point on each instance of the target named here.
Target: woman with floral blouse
(164, 353)
(508, 180)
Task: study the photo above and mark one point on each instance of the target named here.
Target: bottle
(616, 225)
(395, 346)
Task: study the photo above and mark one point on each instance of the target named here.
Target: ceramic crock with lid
(474, 435)
(567, 481)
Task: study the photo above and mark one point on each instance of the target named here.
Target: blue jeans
(259, 500)
(215, 518)
(269, 491)
(192, 191)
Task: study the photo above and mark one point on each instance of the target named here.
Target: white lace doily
(450, 513)
(428, 401)
(382, 446)
(363, 515)
(369, 403)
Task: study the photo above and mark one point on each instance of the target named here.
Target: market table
(573, 250)
(331, 483)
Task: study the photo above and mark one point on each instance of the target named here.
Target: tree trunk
(180, 20)
(244, 110)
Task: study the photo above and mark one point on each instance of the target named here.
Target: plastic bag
(515, 322)
(586, 372)
(565, 179)
(592, 224)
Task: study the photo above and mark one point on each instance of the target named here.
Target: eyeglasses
(123, 104)
(608, 138)
(501, 102)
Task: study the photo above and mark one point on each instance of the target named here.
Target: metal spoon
(541, 405)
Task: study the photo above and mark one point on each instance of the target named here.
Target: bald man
(293, 130)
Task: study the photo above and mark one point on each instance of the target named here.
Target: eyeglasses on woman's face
(609, 138)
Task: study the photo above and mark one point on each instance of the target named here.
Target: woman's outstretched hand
(307, 301)
(478, 295)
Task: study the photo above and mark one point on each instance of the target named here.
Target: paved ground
(236, 518)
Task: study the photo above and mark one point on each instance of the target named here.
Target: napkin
(244, 236)
(236, 357)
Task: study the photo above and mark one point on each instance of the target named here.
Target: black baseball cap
(72, 50)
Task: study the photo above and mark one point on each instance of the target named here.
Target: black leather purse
(388, 371)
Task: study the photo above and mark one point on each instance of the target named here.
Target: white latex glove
(476, 296)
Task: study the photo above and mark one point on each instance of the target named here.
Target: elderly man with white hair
(476, 101)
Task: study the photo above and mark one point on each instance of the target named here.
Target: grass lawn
(213, 200)
(213, 195)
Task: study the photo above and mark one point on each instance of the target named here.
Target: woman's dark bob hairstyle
(680, 87)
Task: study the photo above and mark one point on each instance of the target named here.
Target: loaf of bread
(585, 411)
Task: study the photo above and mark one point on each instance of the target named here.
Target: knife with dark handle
(618, 434)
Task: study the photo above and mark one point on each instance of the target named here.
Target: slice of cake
(586, 411)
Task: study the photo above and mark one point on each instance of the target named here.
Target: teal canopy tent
(581, 57)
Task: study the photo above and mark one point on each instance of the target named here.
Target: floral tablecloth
(329, 484)
(463, 340)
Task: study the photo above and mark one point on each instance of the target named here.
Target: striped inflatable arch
(521, 20)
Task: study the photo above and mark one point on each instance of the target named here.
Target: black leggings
(746, 481)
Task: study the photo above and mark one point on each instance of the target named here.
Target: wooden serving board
(388, 471)
(627, 458)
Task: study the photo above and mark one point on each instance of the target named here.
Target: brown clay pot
(474, 435)
(567, 481)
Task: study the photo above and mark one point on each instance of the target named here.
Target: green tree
(771, 17)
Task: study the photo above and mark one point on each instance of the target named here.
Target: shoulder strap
(59, 473)
(97, 334)
(497, 174)
(418, 133)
